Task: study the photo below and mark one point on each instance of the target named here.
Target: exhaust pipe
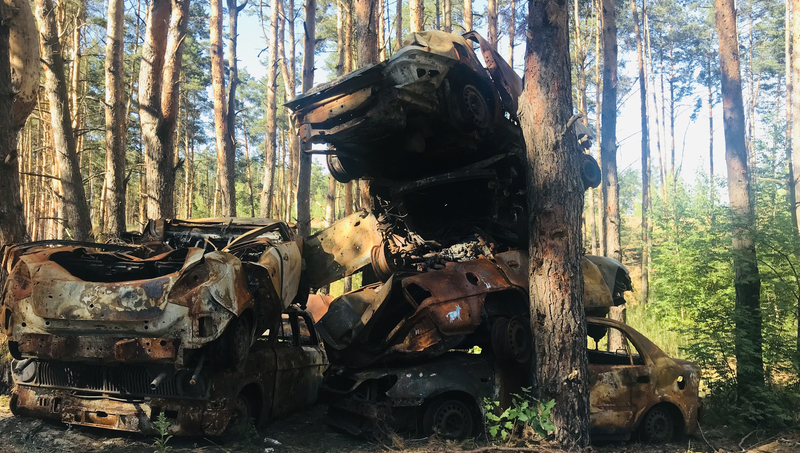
(196, 374)
(157, 381)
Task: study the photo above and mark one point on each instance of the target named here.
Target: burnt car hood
(81, 284)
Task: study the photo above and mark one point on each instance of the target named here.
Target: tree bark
(159, 86)
(115, 119)
(512, 31)
(608, 145)
(233, 83)
(555, 204)
(416, 14)
(366, 31)
(491, 14)
(747, 332)
(398, 25)
(12, 220)
(272, 86)
(448, 16)
(222, 133)
(795, 117)
(304, 172)
(76, 211)
(467, 15)
(645, 288)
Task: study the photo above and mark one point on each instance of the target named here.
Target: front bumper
(188, 417)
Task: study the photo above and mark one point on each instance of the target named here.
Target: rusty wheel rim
(453, 420)
(658, 426)
(518, 339)
(473, 107)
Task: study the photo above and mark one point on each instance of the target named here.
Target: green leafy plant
(525, 411)
(162, 425)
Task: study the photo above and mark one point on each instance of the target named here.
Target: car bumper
(187, 417)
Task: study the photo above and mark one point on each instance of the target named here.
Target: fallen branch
(745, 438)
(704, 437)
(491, 448)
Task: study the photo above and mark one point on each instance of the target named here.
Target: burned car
(431, 107)
(282, 374)
(189, 291)
(430, 104)
(637, 388)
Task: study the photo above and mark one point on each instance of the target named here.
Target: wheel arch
(674, 411)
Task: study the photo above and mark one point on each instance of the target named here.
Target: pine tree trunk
(159, 80)
(598, 99)
(512, 31)
(248, 173)
(222, 133)
(608, 146)
(416, 15)
(448, 16)
(491, 14)
(304, 172)
(12, 222)
(747, 332)
(710, 88)
(272, 85)
(467, 15)
(76, 219)
(795, 115)
(555, 204)
(398, 25)
(645, 290)
(115, 119)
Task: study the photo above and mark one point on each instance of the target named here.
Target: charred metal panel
(340, 250)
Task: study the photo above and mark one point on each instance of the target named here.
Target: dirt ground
(305, 432)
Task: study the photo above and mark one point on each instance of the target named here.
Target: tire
(449, 419)
(512, 340)
(658, 426)
(241, 418)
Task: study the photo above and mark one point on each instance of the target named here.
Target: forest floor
(305, 432)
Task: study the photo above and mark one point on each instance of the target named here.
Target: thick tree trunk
(12, 221)
(115, 119)
(77, 219)
(367, 31)
(159, 80)
(416, 14)
(645, 288)
(271, 38)
(491, 14)
(747, 333)
(555, 203)
(222, 133)
(304, 173)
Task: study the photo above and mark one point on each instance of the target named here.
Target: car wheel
(658, 426)
(469, 106)
(512, 340)
(448, 418)
(241, 418)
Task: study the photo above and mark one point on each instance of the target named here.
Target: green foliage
(162, 425)
(525, 412)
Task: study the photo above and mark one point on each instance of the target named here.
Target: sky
(691, 147)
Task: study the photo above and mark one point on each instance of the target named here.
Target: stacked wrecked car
(183, 320)
(443, 319)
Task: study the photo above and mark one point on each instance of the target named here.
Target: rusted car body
(639, 388)
(282, 374)
(191, 290)
(479, 301)
(431, 104)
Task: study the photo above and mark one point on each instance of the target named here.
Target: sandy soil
(305, 432)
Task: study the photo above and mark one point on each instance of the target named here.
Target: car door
(616, 379)
(300, 363)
